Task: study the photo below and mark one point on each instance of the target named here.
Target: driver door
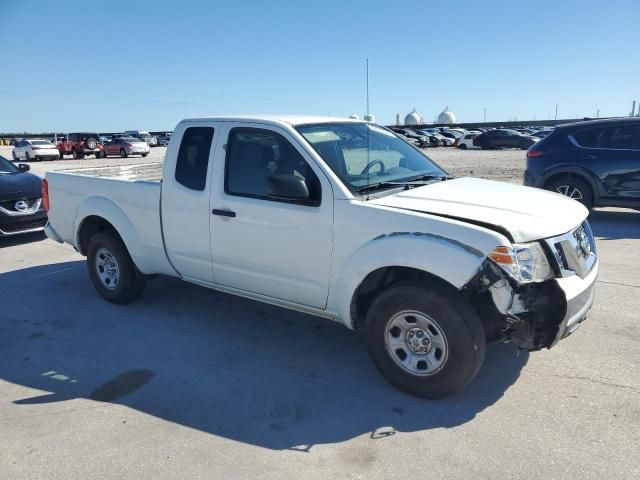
(269, 246)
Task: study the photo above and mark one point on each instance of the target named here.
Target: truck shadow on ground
(615, 224)
(224, 365)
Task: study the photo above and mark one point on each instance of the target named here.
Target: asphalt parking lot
(192, 383)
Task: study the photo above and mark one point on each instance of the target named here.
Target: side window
(624, 137)
(254, 155)
(193, 157)
(589, 138)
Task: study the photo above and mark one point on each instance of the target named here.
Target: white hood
(526, 213)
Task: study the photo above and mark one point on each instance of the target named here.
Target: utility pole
(367, 87)
(598, 113)
(484, 115)
(556, 117)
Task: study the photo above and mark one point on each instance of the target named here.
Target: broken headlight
(525, 262)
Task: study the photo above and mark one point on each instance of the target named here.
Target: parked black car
(504, 138)
(21, 209)
(595, 162)
(421, 141)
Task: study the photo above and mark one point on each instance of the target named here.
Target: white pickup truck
(342, 219)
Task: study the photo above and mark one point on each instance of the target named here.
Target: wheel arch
(98, 214)
(391, 258)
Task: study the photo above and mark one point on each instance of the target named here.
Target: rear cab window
(193, 157)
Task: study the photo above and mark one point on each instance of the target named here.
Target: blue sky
(117, 65)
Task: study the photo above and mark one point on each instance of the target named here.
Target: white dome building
(446, 116)
(414, 118)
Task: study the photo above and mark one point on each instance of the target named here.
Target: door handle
(223, 213)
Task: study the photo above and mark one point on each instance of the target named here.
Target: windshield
(6, 167)
(40, 142)
(362, 154)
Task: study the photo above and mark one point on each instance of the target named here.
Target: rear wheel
(15, 158)
(424, 339)
(462, 146)
(524, 145)
(123, 153)
(27, 157)
(112, 272)
(76, 154)
(144, 155)
(574, 189)
(60, 156)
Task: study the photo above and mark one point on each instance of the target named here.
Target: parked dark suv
(504, 138)
(595, 162)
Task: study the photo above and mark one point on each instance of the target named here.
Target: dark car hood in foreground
(18, 185)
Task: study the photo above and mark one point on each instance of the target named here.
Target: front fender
(449, 259)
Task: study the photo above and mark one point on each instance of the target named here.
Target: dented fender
(447, 258)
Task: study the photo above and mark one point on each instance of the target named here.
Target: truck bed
(146, 172)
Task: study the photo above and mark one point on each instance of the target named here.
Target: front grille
(11, 204)
(19, 226)
(575, 252)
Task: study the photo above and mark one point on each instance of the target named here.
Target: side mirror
(23, 167)
(289, 187)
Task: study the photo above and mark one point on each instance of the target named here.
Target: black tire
(144, 155)
(463, 332)
(130, 283)
(91, 143)
(567, 186)
(524, 145)
(13, 155)
(462, 146)
(27, 157)
(123, 153)
(60, 156)
(75, 154)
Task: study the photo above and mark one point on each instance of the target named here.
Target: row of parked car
(481, 138)
(82, 144)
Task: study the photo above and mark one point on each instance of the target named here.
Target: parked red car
(81, 144)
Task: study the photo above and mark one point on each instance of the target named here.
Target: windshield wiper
(430, 176)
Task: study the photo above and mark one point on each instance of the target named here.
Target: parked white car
(466, 142)
(35, 149)
(143, 135)
(371, 234)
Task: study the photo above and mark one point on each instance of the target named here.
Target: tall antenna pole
(367, 87)
(556, 112)
(484, 115)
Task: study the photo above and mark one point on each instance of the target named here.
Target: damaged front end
(545, 297)
(528, 315)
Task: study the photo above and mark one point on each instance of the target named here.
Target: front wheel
(123, 153)
(462, 146)
(424, 340)
(112, 272)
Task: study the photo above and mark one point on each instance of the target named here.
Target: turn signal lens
(502, 255)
